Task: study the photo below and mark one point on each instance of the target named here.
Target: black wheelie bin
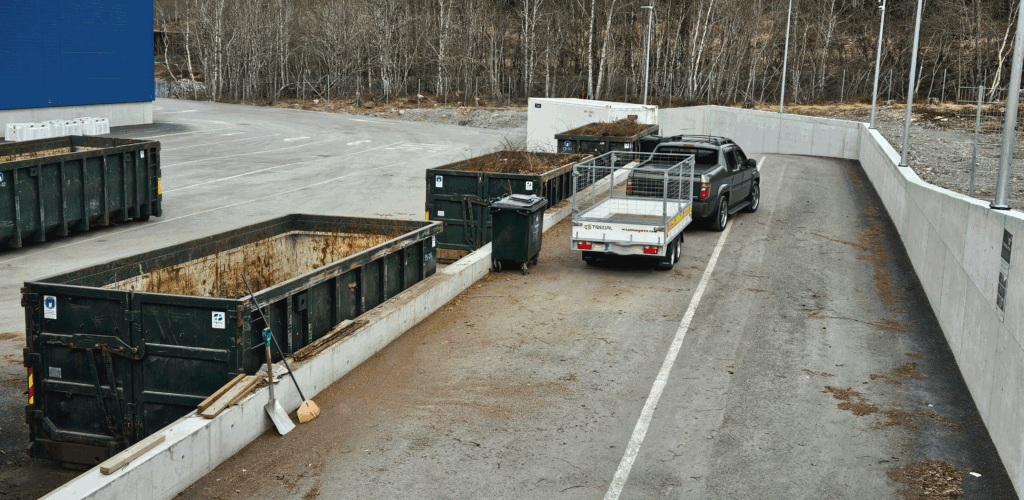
(518, 222)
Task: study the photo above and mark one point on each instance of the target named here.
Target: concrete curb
(194, 446)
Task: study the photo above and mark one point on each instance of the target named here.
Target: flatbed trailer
(638, 205)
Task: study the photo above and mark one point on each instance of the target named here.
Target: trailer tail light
(705, 191)
(629, 185)
(584, 245)
(650, 249)
(31, 388)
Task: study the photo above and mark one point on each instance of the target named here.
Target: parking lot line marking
(221, 142)
(183, 133)
(619, 481)
(151, 224)
(253, 152)
(290, 139)
(761, 163)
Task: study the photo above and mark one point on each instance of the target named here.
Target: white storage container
(101, 126)
(39, 131)
(547, 117)
(16, 132)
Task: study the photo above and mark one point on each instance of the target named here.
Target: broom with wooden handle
(308, 410)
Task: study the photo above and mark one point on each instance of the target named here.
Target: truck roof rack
(710, 139)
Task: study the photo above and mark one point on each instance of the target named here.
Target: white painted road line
(190, 146)
(290, 139)
(761, 163)
(251, 153)
(183, 133)
(615, 489)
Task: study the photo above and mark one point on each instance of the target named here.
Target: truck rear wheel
(721, 216)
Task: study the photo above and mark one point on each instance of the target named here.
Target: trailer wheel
(721, 216)
(671, 256)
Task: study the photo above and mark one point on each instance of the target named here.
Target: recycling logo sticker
(49, 307)
(568, 145)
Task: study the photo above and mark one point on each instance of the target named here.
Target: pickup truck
(725, 180)
(634, 204)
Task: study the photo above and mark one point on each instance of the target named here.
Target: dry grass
(626, 127)
(35, 154)
(513, 158)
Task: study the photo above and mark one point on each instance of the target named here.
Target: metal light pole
(878, 66)
(1010, 121)
(647, 71)
(910, 89)
(785, 57)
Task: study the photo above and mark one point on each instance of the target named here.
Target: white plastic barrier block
(72, 127)
(56, 128)
(16, 132)
(102, 125)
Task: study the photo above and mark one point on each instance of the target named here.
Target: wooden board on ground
(231, 396)
(220, 392)
(131, 453)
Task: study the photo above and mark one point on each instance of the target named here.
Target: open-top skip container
(119, 350)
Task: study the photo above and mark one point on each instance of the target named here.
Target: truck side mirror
(751, 163)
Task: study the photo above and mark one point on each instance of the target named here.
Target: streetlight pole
(878, 66)
(1010, 120)
(647, 71)
(905, 153)
(785, 57)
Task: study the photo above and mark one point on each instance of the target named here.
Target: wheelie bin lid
(526, 202)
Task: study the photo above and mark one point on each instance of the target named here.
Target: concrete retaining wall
(194, 446)
(128, 113)
(954, 243)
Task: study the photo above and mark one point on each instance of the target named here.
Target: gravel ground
(940, 146)
(481, 118)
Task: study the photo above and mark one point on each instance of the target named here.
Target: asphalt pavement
(793, 356)
(225, 166)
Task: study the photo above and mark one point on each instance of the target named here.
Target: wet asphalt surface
(225, 166)
(813, 368)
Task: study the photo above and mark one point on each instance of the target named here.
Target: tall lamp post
(647, 70)
(878, 66)
(1010, 120)
(905, 153)
(785, 57)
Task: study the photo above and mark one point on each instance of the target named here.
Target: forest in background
(720, 51)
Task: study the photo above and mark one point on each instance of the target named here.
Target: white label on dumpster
(218, 320)
(54, 372)
(49, 307)
(433, 241)
(141, 154)
(529, 186)
(440, 213)
(438, 181)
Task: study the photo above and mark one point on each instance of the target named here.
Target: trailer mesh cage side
(643, 188)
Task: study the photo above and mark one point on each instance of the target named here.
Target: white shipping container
(546, 117)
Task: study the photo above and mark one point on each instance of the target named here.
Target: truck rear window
(708, 157)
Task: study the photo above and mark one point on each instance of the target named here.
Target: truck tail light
(705, 191)
(650, 249)
(31, 388)
(584, 245)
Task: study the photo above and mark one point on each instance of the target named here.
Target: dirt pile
(514, 162)
(929, 480)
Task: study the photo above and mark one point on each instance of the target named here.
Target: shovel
(277, 414)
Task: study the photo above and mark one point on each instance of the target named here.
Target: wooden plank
(342, 330)
(220, 392)
(134, 451)
(231, 395)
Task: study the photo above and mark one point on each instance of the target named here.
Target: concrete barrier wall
(954, 243)
(128, 113)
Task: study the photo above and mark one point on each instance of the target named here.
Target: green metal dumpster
(119, 350)
(599, 138)
(53, 186)
(518, 230)
(458, 194)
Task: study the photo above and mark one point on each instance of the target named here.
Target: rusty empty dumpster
(119, 350)
(53, 186)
